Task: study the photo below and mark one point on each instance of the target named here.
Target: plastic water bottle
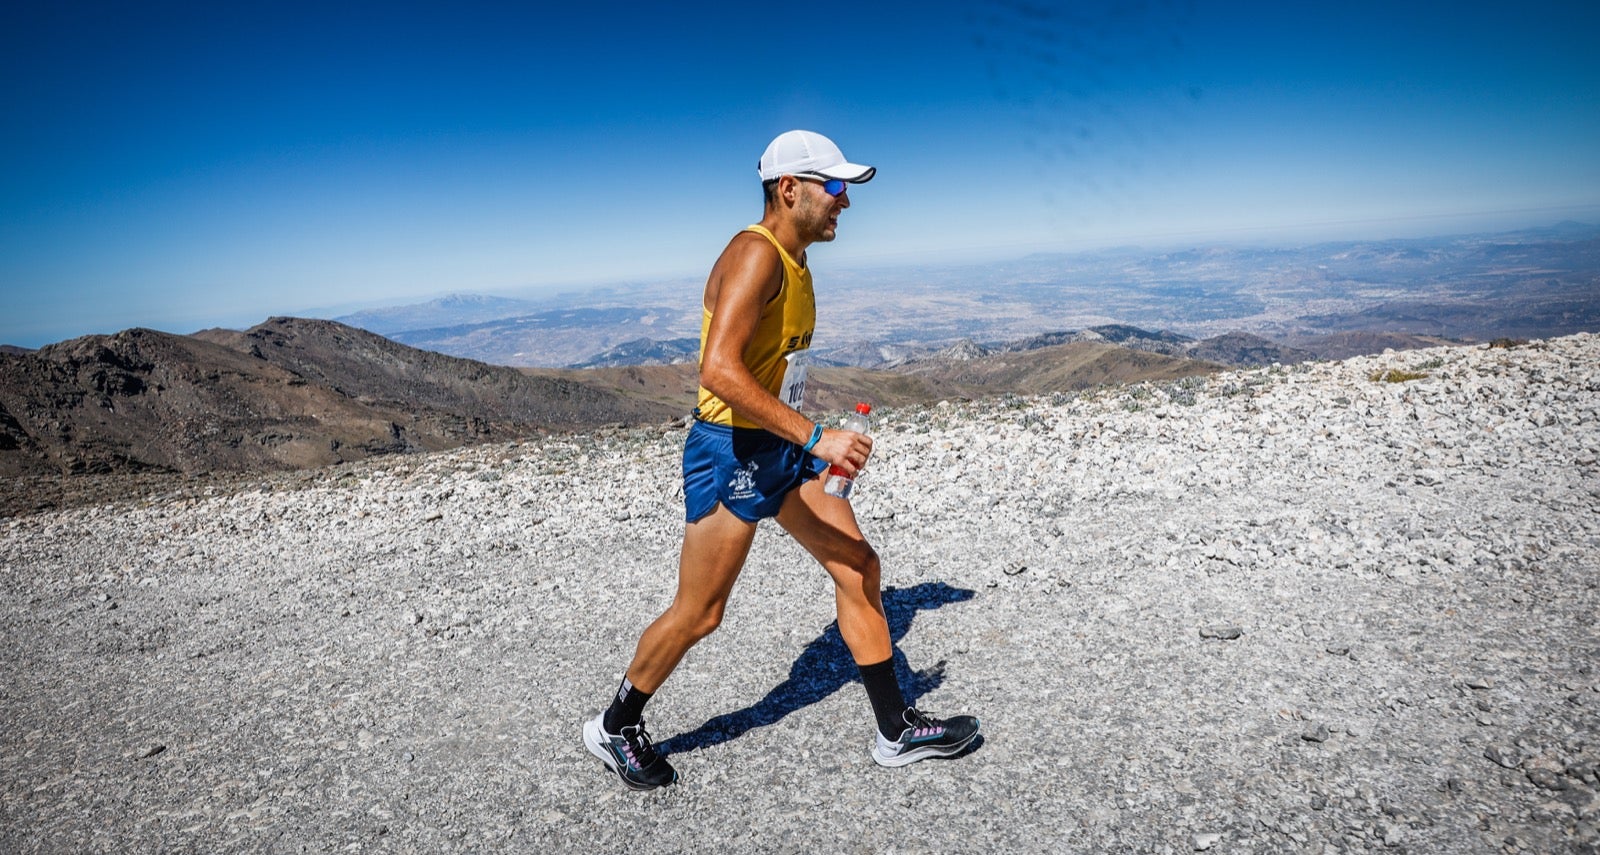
(838, 483)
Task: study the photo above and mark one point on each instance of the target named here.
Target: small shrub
(1183, 391)
(1395, 375)
(1507, 343)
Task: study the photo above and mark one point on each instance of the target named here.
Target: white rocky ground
(1280, 610)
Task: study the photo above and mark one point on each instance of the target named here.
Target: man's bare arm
(747, 276)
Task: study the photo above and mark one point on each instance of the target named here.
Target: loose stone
(1503, 755)
(1545, 779)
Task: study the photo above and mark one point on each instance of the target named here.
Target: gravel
(1284, 610)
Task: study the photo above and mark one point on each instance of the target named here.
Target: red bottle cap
(863, 408)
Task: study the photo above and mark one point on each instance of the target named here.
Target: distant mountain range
(646, 351)
(1526, 284)
(453, 310)
(1233, 350)
(558, 332)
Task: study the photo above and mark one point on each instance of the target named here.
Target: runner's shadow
(825, 667)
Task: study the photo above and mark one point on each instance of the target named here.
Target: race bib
(793, 389)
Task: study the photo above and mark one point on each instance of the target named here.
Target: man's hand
(845, 449)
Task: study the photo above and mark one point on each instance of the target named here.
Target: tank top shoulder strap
(782, 253)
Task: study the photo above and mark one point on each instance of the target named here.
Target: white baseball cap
(797, 152)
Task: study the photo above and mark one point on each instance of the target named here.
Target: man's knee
(869, 565)
(706, 625)
(697, 623)
(861, 561)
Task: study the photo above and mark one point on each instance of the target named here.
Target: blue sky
(181, 166)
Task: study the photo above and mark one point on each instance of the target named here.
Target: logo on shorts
(743, 485)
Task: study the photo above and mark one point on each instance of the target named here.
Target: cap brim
(854, 173)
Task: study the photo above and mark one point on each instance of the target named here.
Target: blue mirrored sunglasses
(830, 186)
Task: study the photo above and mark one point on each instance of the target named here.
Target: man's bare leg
(714, 550)
(826, 526)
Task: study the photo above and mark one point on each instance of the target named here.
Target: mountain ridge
(288, 393)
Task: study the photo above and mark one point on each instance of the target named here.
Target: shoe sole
(906, 758)
(595, 741)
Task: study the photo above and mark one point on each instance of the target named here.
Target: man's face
(817, 213)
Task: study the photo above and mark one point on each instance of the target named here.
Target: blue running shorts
(748, 470)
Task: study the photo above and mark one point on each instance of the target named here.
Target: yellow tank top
(785, 327)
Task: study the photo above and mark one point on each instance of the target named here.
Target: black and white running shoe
(629, 754)
(924, 737)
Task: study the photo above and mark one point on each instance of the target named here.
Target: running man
(751, 455)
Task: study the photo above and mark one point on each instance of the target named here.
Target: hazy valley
(1527, 284)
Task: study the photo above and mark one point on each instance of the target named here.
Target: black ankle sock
(883, 690)
(626, 708)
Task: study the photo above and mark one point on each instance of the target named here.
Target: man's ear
(788, 189)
